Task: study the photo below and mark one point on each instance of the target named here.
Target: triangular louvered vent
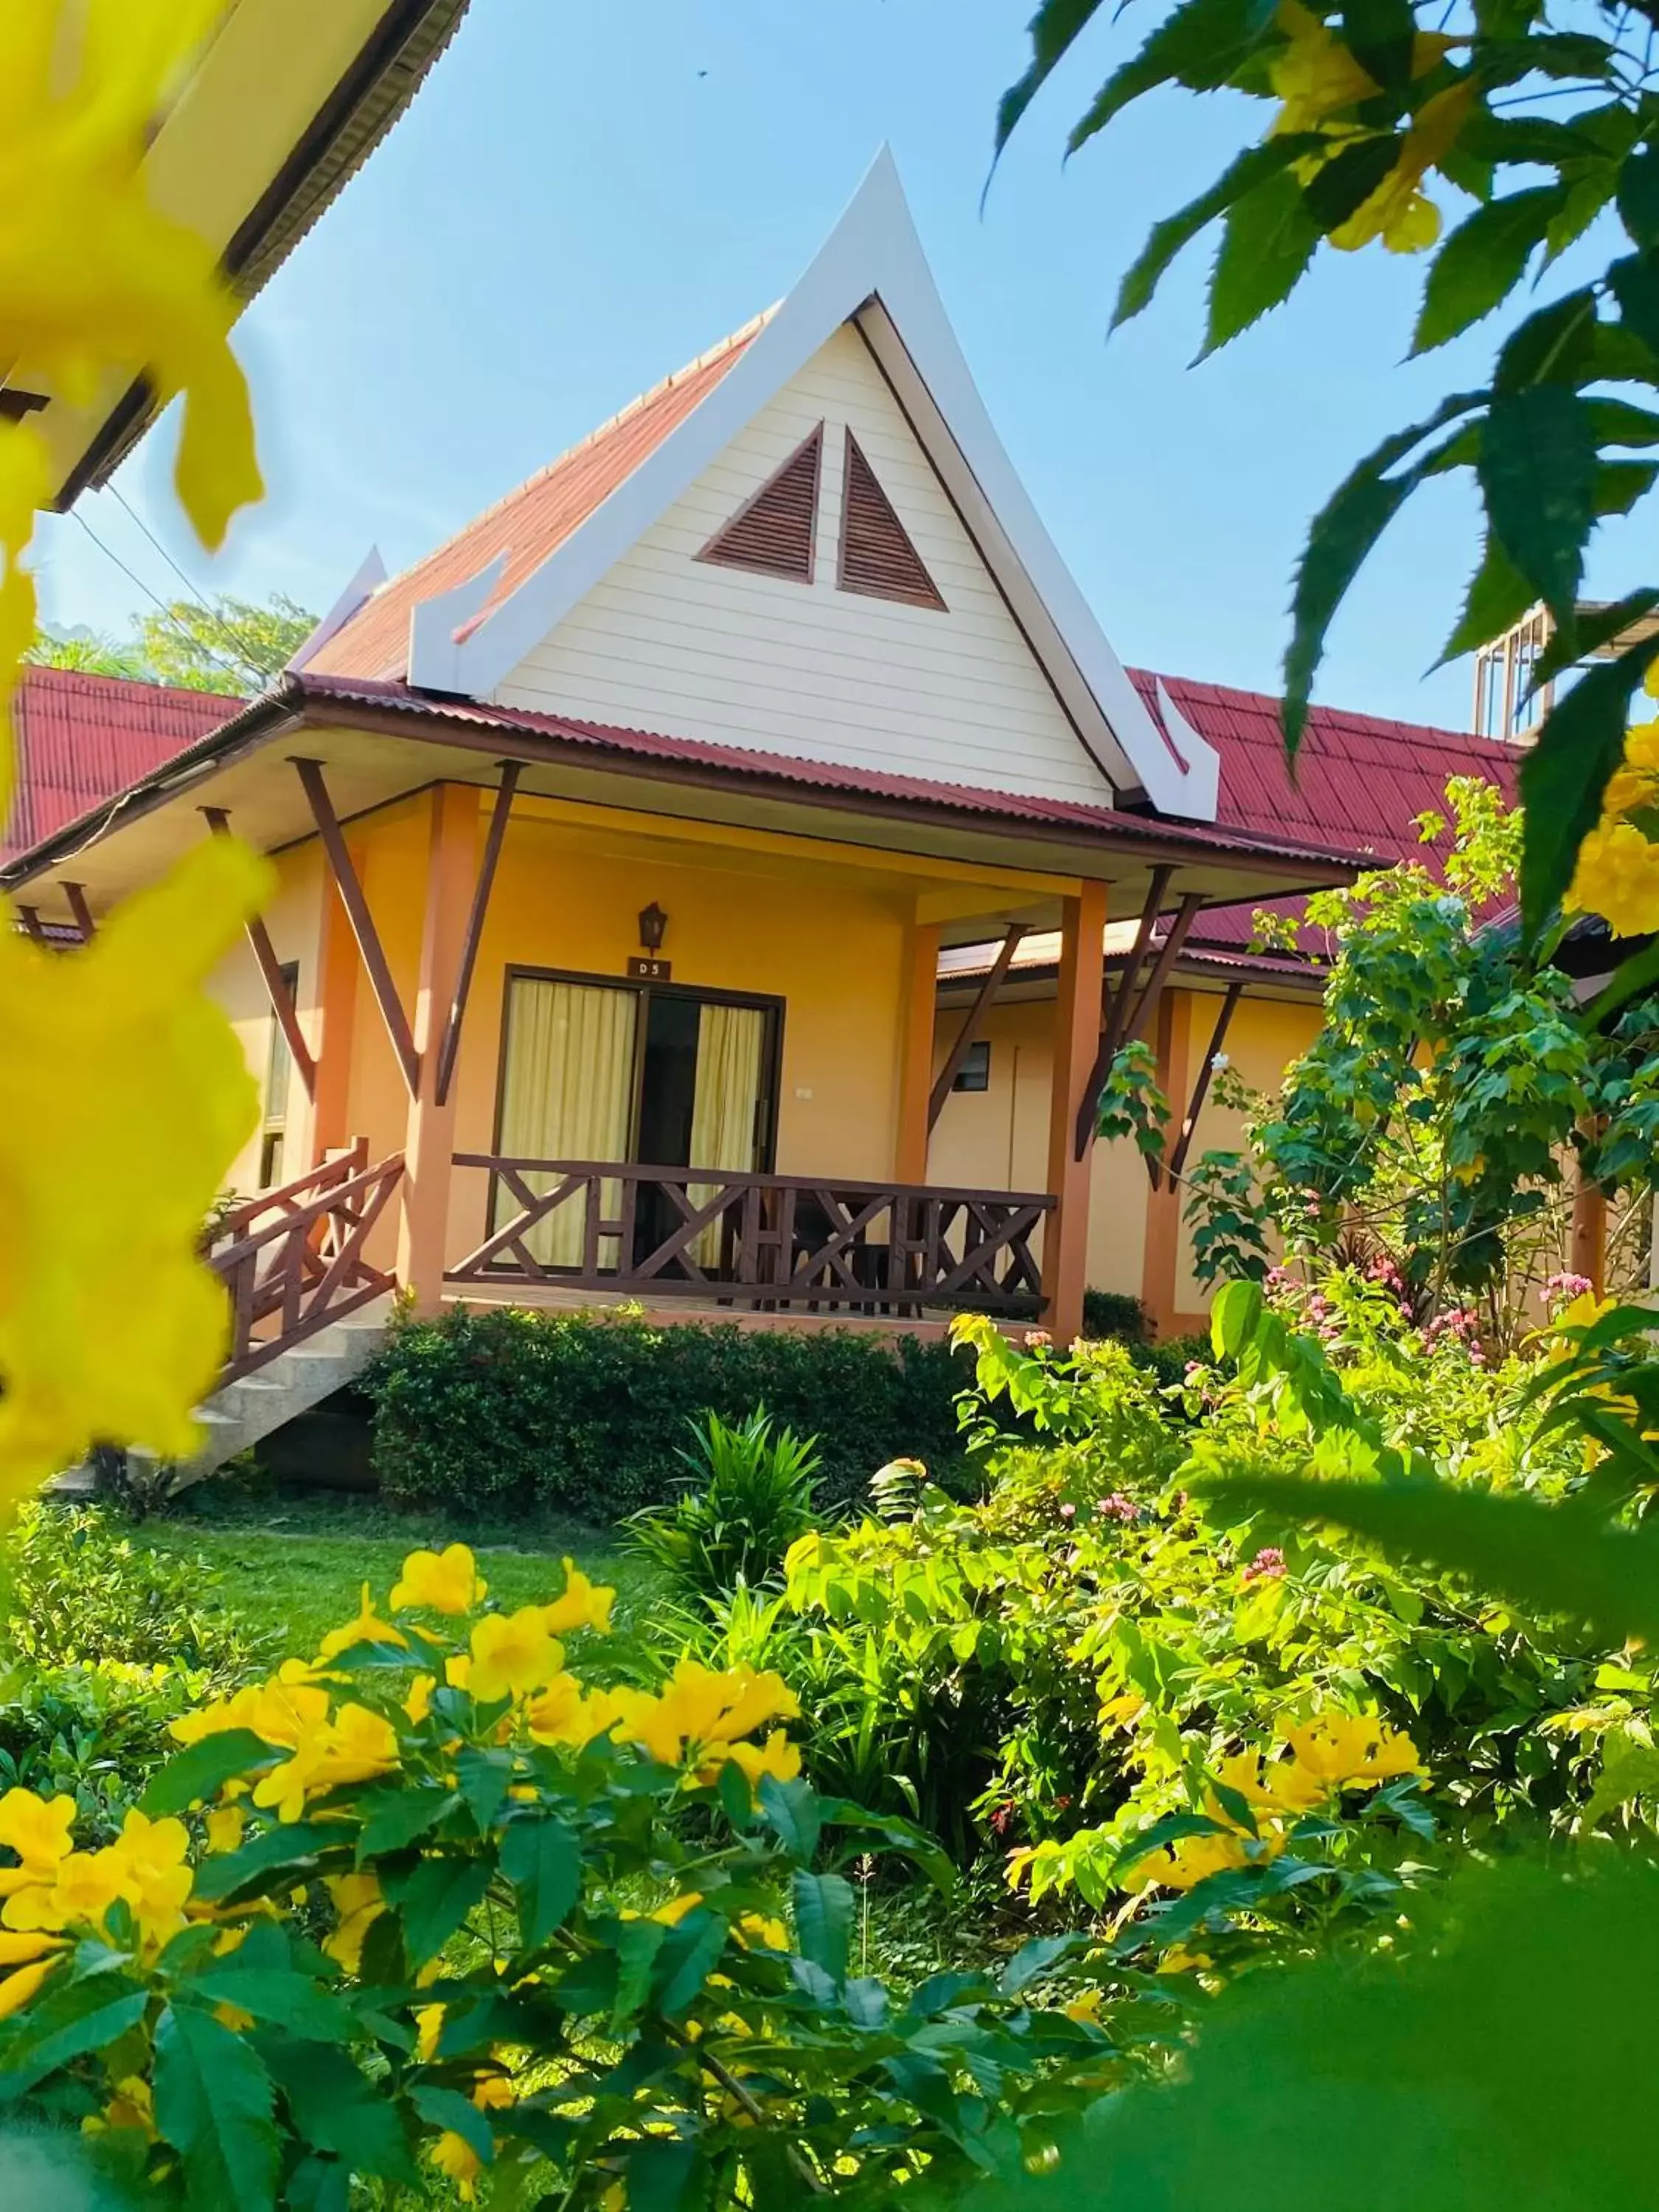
(877, 555)
(774, 533)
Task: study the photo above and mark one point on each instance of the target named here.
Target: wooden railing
(755, 1240)
(293, 1258)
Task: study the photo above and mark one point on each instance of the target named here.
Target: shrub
(79, 1588)
(750, 1498)
(595, 1943)
(495, 1408)
(1115, 1313)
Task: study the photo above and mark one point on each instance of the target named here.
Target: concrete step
(244, 1412)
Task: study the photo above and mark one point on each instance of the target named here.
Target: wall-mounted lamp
(654, 927)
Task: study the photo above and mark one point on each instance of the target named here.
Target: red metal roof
(80, 739)
(1361, 780)
(823, 776)
(528, 525)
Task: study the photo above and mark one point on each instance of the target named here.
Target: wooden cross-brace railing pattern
(293, 1258)
(754, 1240)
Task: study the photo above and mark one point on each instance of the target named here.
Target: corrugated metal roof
(82, 738)
(529, 524)
(1361, 780)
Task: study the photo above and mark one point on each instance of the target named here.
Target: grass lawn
(293, 1569)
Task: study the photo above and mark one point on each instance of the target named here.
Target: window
(975, 1074)
(279, 1067)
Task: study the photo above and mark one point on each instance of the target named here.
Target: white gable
(669, 642)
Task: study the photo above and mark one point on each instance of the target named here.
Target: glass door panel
(568, 1094)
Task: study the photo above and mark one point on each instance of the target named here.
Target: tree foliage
(1539, 119)
(230, 646)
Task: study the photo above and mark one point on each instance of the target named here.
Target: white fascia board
(874, 255)
(371, 574)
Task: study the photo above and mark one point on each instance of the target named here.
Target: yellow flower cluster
(1319, 83)
(117, 1074)
(54, 1888)
(1617, 873)
(1332, 1752)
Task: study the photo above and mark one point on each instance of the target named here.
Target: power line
(248, 658)
(161, 605)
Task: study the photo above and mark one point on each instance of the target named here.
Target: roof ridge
(730, 344)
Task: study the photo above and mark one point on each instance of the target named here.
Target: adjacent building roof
(1361, 780)
(80, 741)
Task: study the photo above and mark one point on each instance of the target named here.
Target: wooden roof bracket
(1169, 952)
(282, 999)
(969, 1036)
(510, 771)
(1117, 1007)
(1202, 1088)
(77, 896)
(350, 886)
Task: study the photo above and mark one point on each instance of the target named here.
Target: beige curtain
(567, 1095)
(730, 1040)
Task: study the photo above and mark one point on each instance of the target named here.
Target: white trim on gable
(872, 272)
(371, 574)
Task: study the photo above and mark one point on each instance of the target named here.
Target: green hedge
(493, 1409)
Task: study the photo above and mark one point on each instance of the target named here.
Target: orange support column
(429, 1144)
(920, 987)
(1076, 1040)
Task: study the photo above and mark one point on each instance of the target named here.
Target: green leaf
(1165, 239)
(1635, 284)
(199, 1773)
(1199, 44)
(1638, 196)
(1054, 29)
(284, 1998)
(1380, 34)
(542, 1858)
(68, 2022)
(694, 1948)
(791, 1811)
(1499, 596)
(213, 2104)
(1339, 188)
(1037, 1958)
(1629, 979)
(1537, 469)
(1267, 242)
(1482, 262)
(825, 1910)
(1566, 773)
(485, 1777)
(1551, 1559)
(449, 2109)
(433, 1901)
(334, 2109)
(667, 2177)
(267, 1861)
(1342, 534)
(396, 1815)
(637, 1945)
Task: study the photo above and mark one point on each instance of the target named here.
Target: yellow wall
(749, 914)
(1265, 1037)
(291, 919)
(997, 1139)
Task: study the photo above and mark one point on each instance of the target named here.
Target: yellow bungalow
(621, 839)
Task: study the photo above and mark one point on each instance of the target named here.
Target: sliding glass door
(669, 1078)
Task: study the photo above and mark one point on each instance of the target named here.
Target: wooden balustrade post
(1076, 1040)
(430, 1143)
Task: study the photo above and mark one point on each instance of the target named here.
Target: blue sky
(585, 196)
